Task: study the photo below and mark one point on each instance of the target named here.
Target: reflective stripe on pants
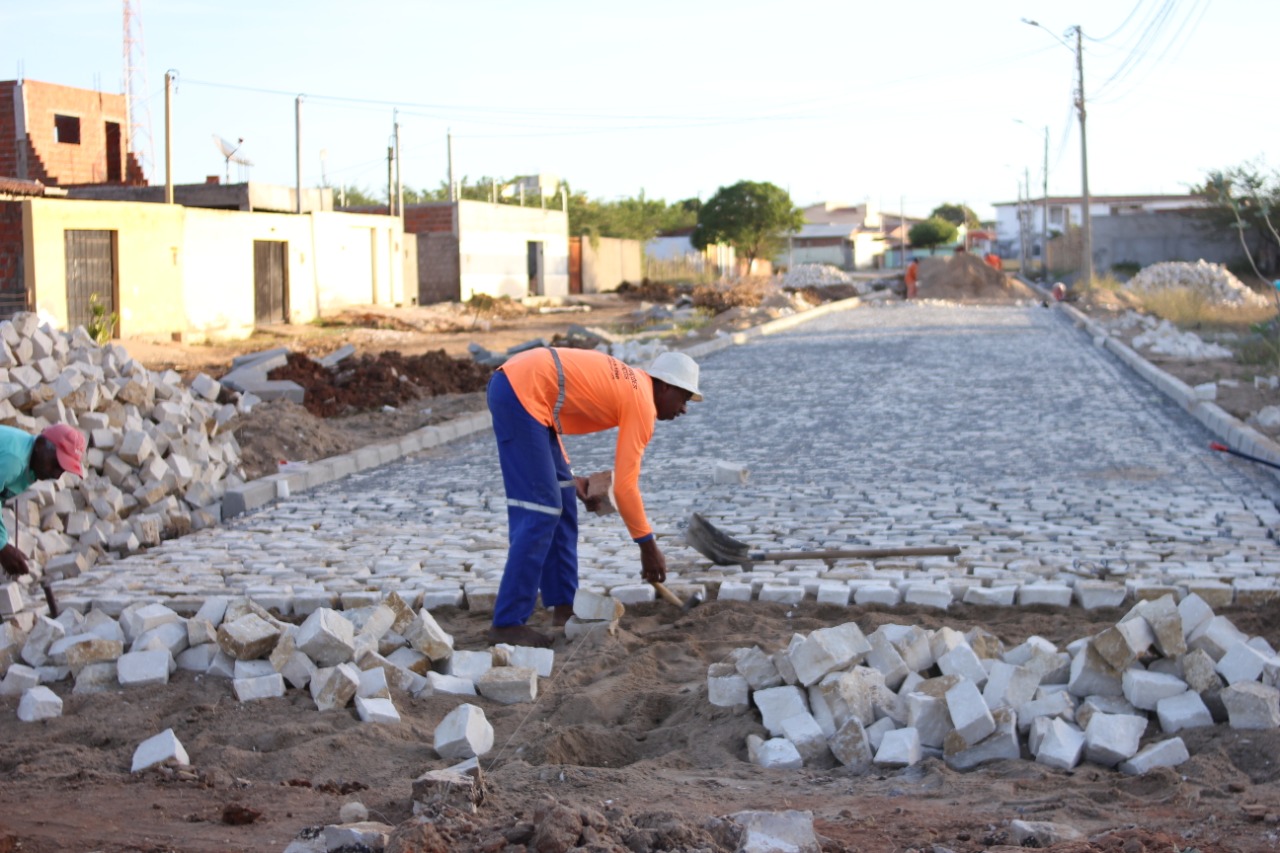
(542, 510)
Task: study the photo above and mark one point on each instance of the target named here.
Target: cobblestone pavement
(1003, 430)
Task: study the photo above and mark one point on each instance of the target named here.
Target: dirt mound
(370, 382)
(966, 277)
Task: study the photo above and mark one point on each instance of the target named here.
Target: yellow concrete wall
(190, 270)
(149, 265)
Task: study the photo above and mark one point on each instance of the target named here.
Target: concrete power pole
(1044, 214)
(297, 150)
(1086, 222)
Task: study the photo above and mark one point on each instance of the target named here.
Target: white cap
(676, 368)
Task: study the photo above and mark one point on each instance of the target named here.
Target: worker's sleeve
(633, 438)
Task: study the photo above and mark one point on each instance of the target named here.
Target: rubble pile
(160, 453)
(1164, 338)
(815, 275)
(903, 692)
(1212, 281)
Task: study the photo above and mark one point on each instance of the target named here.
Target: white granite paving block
(899, 748)
(327, 637)
(1093, 676)
(1215, 637)
(780, 593)
(994, 596)
(1002, 744)
(633, 593)
(810, 741)
(734, 591)
(1165, 753)
(1163, 616)
(1251, 705)
(258, 687)
(159, 749)
(35, 651)
(1194, 613)
(39, 703)
(1121, 644)
(963, 661)
(777, 752)
(1145, 689)
(425, 635)
(463, 733)
(84, 649)
(1057, 703)
(1058, 744)
(851, 746)
(1009, 686)
(539, 660)
(1242, 662)
(508, 685)
(969, 712)
(197, 658)
(726, 688)
(451, 684)
(143, 669)
(828, 649)
(777, 704)
(883, 594)
(468, 664)
(1184, 711)
(927, 595)
(1112, 738)
(379, 709)
(248, 637)
(373, 684)
(171, 636)
(927, 712)
(756, 667)
(333, 687)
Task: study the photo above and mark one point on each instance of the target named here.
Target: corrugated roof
(16, 186)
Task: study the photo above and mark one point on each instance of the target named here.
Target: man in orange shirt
(536, 397)
(912, 276)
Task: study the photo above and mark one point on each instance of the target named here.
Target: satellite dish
(230, 152)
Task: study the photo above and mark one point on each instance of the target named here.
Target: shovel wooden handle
(853, 553)
(667, 595)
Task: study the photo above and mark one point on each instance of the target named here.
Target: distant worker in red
(536, 397)
(993, 260)
(912, 278)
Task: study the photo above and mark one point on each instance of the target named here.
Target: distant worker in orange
(912, 278)
(993, 260)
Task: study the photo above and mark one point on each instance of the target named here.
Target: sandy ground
(621, 738)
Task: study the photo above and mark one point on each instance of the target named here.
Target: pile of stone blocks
(362, 657)
(1116, 699)
(160, 453)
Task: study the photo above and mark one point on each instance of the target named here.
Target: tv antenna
(230, 152)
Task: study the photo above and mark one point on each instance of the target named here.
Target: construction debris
(1214, 282)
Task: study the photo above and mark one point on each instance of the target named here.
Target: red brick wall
(428, 218)
(10, 251)
(60, 163)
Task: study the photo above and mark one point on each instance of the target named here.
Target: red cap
(70, 444)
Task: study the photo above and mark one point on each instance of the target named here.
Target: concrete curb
(1233, 432)
(258, 493)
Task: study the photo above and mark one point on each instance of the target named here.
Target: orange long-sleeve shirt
(600, 393)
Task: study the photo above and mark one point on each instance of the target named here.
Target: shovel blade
(714, 544)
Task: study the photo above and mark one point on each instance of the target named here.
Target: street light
(1085, 219)
(1044, 207)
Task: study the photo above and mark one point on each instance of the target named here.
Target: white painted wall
(493, 249)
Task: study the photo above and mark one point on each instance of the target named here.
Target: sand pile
(965, 276)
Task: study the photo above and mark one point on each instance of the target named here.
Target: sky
(904, 105)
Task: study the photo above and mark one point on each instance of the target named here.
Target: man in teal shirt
(25, 458)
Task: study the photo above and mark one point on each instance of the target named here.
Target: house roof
(17, 186)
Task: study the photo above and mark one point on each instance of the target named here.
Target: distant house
(850, 237)
(1140, 229)
(673, 252)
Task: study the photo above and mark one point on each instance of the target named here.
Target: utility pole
(1086, 221)
(1044, 214)
(297, 151)
(168, 136)
(399, 182)
(391, 186)
(449, 153)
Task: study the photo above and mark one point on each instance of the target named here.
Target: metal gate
(270, 282)
(575, 264)
(91, 272)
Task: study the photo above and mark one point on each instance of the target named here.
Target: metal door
(575, 264)
(535, 268)
(270, 282)
(91, 272)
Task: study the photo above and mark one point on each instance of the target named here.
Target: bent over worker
(25, 458)
(536, 397)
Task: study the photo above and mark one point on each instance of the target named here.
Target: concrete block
(163, 748)
(1059, 745)
(143, 669)
(377, 709)
(1165, 753)
(463, 733)
(327, 637)
(927, 714)
(469, 665)
(539, 660)
(1183, 711)
(1121, 644)
(39, 703)
(884, 658)
(1145, 689)
(899, 748)
(1251, 705)
(1093, 676)
(451, 684)
(777, 704)
(509, 685)
(248, 637)
(333, 687)
(1112, 738)
(1052, 594)
(969, 712)
(851, 746)
(373, 684)
(593, 607)
(1091, 595)
(756, 667)
(1002, 744)
(803, 731)
(1009, 686)
(962, 661)
(1243, 662)
(259, 687)
(1215, 637)
(726, 688)
(426, 635)
(828, 649)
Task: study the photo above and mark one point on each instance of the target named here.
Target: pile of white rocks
(903, 692)
(814, 275)
(360, 655)
(1213, 281)
(1164, 338)
(160, 454)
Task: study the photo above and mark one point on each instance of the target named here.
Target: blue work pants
(542, 510)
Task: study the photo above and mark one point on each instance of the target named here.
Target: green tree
(932, 233)
(355, 196)
(1243, 200)
(751, 216)
(956, 214)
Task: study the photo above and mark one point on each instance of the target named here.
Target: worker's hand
(13, 561)
(580, 486)
(653, 566)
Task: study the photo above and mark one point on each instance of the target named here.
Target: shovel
(1222, 448)
(723, 550)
